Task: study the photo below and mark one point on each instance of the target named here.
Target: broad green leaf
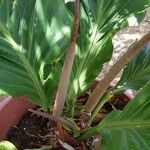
(6, 145)
(128, 129)
(34, 35)
(99, 21)
(137, 72)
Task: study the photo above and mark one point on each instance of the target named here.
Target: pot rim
(11, 111)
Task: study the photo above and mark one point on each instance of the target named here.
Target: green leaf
(6, 145)
(129, 128)
(34, 35)
(137, 72)
(99, 21)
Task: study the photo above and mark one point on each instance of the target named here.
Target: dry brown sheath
(56, 119)
(67, 67)
(111, 74)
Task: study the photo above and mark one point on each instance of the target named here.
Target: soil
(32, 132)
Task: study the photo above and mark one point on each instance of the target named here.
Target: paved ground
(125, 38)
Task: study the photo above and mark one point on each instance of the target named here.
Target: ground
(123, 39)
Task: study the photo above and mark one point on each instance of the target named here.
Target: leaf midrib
(123, 124)
(138, 74)
(27, 66)
(34, 79)
(89, 50)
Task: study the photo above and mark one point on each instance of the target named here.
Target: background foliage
(34, 36)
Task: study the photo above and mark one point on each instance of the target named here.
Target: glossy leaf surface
(99, 21)
(35, 34)
(137, 72)
(33, 37)
(130, 128)
(6, 145)
(126, 129)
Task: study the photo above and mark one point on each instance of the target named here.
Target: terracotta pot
(11, 111)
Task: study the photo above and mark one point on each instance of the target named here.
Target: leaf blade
(137, 72)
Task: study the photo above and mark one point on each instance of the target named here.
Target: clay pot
(11, 111)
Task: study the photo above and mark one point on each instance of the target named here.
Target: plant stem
(111, 74)
(67, 67)
(88, 133)
(105, 99)
(56, 119)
